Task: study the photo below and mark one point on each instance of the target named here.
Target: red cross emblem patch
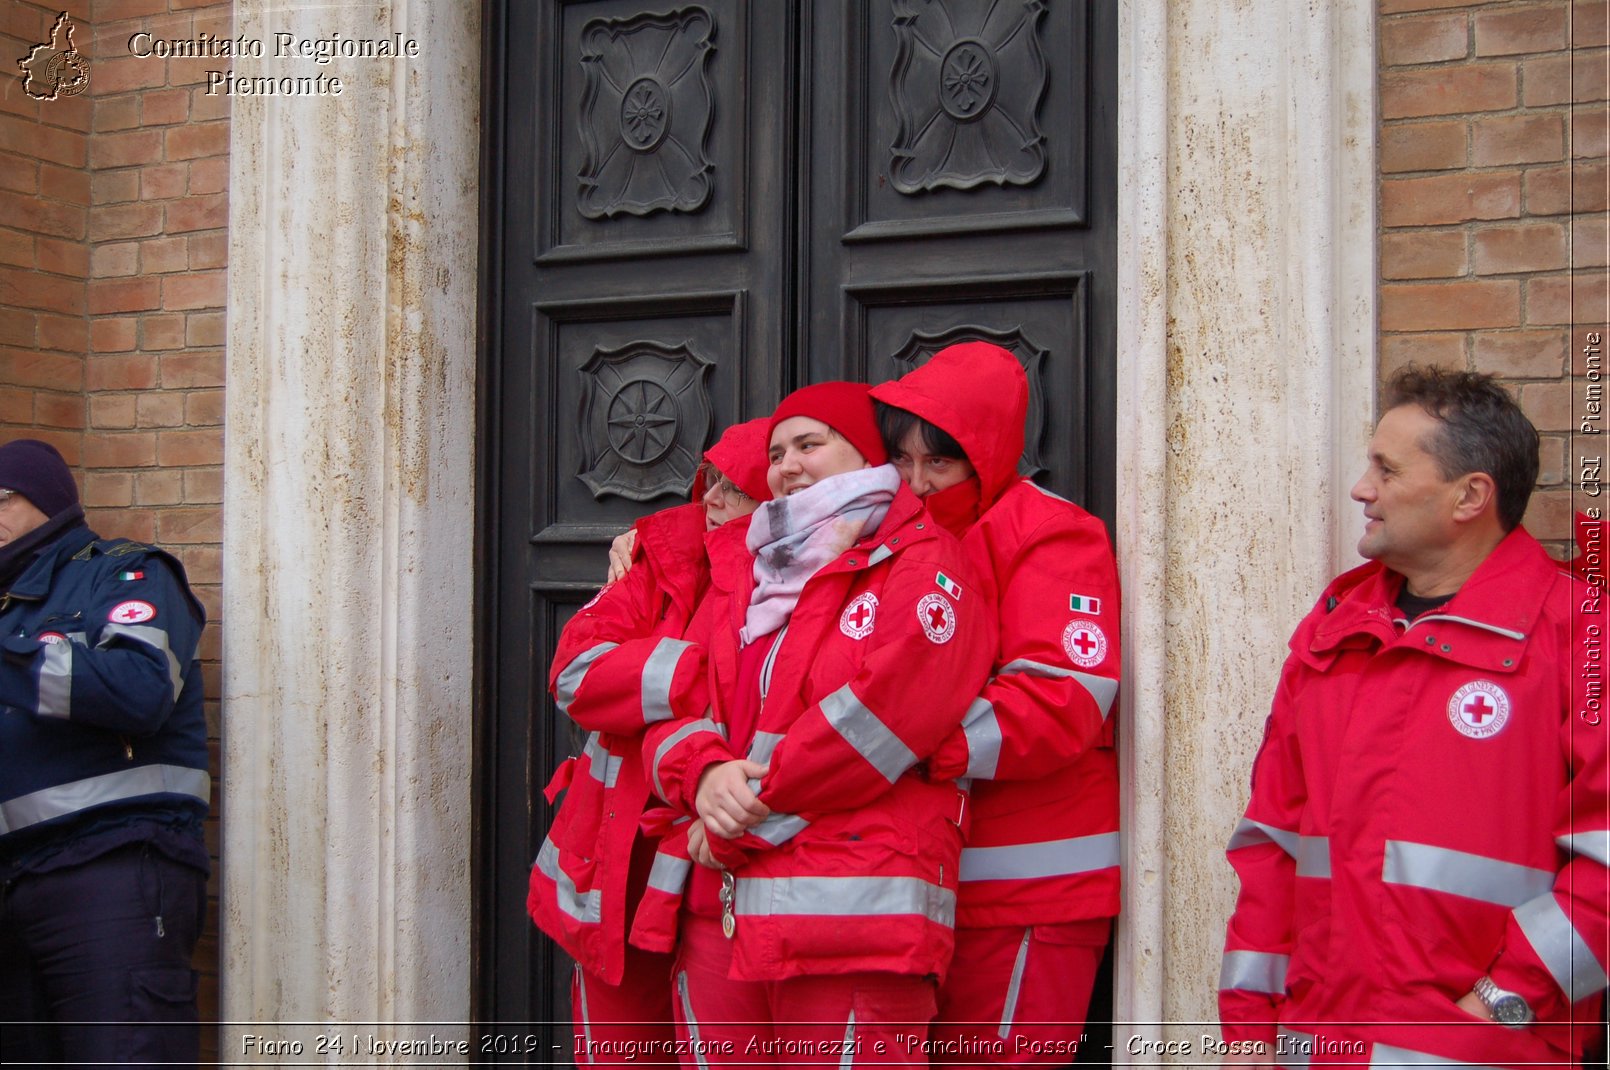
(1085, 643)
(132, 613)
(52, 638)
(1479, 710)
(937, 617)
(856, 620)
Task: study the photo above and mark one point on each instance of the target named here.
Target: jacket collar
(35, 581)
(1496, 609)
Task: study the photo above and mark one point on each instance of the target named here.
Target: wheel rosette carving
(645, 416)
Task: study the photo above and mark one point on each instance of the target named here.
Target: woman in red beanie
(843, 643)
(621, 665)
(1039, 872)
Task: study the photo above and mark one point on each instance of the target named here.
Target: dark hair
(895, 424)
(1482, 430)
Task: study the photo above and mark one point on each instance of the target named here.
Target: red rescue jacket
(620, 666)
(1429, 805)
(1037, 742)
(856, 869)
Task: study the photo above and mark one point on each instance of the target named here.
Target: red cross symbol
(1083, 641)
(1478, 709)
(860, 615)
(936, 617)
(130, 613)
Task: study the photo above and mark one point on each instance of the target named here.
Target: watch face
(1511, 1009)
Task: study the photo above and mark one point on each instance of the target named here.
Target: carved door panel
(638, 251)
(692, 208)
(964, 186)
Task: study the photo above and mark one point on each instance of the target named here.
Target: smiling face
(18, 516)
(924, 471)
(805, 451)
(1408, 506)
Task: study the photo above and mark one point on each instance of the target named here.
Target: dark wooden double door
(694, 208)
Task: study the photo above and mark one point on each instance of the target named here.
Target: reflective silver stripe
(586, 1018)
(847, 1056)
(1507, 633)
(760, 752)
(1254, 971)
(1313, 856)
(880, 555)
(56, 680)
(1386, 1055)
(846, 897)
(770, 663)
(1047, 493)
(1102, 689)
(586, 909)
(1250, 833)
(565, 688)
(155, 638)
(1014, 987)
(1052, 858)
(691, 1021)
(1594, 845)
(669, 874)
(604, 766)
(658, 672)
(762, 746)
(983, 734)
(63, 799)
(779, 828)
(868, 736)
(1550, 932)
(1294, 1048)
(702, 725)
(1439, 869)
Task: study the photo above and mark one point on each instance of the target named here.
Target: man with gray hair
(1423, 858)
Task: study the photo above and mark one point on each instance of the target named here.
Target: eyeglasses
(714, 480)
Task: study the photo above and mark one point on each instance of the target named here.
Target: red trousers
(624, 1025)
(1018, 995)
(874, 1018)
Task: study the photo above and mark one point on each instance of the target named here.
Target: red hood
(977, 393)
(740, 455)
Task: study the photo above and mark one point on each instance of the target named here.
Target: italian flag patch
(131, 575)
(1083, 603)
(948, 585)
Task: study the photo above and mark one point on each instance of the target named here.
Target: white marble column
(348, 511)
(1246, 364)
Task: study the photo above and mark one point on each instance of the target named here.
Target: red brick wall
(1493, 189)
(44, 253)
(113, 244)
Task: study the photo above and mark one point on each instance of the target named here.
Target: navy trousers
(95, 962)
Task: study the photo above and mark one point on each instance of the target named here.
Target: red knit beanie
(740, 455)
(845, 407)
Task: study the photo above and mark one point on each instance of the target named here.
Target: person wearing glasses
(103, 783)
(621, 665)
(844, 639)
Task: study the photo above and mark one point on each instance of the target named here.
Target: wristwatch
(1507, 1008)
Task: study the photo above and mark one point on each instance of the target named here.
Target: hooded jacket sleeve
(1557, 946)
(1263, 851)
(1056, 683)
(119, 652)
(612, 673)
(909, 693)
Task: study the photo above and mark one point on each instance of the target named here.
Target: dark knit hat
(845, 407)
(36, 471)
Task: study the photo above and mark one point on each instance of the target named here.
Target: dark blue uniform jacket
(103, 740)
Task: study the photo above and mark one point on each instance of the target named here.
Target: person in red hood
(843, 648)
(620, 666)
(1039, 870)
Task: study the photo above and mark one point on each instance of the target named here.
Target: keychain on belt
(729, 895)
